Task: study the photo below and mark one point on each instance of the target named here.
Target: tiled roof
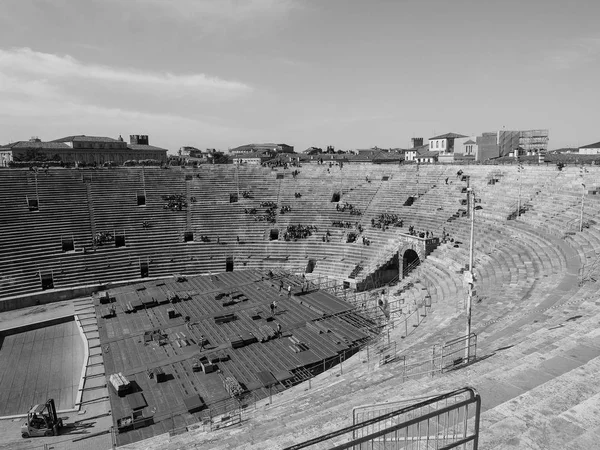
(448, 136)
(38, 145)
(428, 154)
(596, 145)
(84, 138)
(250, 155)
(420, 149)
(388, 156)
(469, 142)
(144, 147)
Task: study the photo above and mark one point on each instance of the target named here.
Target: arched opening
(410, 260)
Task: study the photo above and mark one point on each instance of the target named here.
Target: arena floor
(39, 364)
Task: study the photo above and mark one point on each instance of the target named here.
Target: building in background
(5, 156)
(444, 143)
(511, 143)
(591, 149)
(487, 146)
(274, 148)
(87, 150)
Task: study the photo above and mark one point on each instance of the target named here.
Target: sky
(347, 73)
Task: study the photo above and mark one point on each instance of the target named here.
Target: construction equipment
(135, 420)
(42, 420)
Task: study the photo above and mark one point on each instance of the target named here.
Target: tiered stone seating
(107, 202)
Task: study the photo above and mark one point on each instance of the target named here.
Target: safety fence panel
(446, 421)
(454, 352)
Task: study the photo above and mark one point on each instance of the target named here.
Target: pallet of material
(236, 342)
(297, 346)
(148, 301)
(120, 384)
(233, 387)
(266, 333)
(224, 318)
(248, 338)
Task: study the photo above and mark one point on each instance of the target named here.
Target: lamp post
(583, 171)
(469, 276)
(581, 215)
(520, 169)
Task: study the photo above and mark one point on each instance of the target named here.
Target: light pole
(469, 276)
(582, 174)
(581, 215)
(520, 169)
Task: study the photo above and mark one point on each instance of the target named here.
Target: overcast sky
(353, 74)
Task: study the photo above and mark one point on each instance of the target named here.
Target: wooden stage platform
(231, 313)
(38, 364)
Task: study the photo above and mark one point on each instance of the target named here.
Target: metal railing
(446, 421)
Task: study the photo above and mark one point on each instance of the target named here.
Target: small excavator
(42, 420)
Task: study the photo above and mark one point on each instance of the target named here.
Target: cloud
(50, 119)
(575, 53)
(52, 95)
(219, 12)
(29, 64)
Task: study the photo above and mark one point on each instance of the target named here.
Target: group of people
(385, 220)
(297, 194)
(296, 232)
(44, 167)
(342, 224)
(175, 202)
(351, 237)
(103, 238)
(348, 206)
(246, 194)
(421, 234)
(249, 210)
(285, 209)
(268, 217)
(145, 224)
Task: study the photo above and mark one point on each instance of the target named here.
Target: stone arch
(410, 260)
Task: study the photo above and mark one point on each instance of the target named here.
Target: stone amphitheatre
(168, 276)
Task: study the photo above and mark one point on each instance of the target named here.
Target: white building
(444, 143)
(592, 149)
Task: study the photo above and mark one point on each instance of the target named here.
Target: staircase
(188, 198)
(90, 205)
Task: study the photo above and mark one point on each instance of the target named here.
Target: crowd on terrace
(295, 232)
(174, 202)
(102, 238)
(348, 206)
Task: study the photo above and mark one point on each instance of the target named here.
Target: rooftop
(595, 145)
(84, 138)
(36, 144)
(144, 147)
(449, 136)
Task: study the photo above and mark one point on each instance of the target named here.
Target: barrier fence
(445, 421)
